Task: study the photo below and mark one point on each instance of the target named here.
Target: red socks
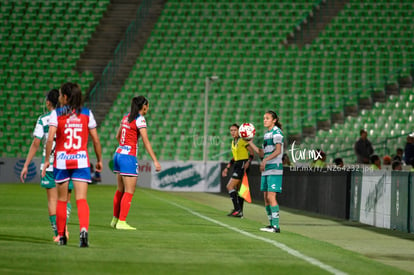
(83, 213)
(125, 205)
(61, 217)
(117, 203)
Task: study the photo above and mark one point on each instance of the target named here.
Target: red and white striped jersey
(128, 143)
(72, 137)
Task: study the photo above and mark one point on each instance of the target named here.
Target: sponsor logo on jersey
(73, 119)
(64, 156)
(73, 125)
(124, 149)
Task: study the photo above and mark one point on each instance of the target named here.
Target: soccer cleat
(122, 225)
(271, 229)
(114, 222)
(237, 214)
(83, 238)
(62, 240)
(266, 229)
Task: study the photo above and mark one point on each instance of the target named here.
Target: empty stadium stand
(352, 73)
(242, 43)
(40, 43)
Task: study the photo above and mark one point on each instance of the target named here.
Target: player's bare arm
(148, 147)
(259, 151)
(251, 153)
(97, 147)
(118, 134)
(32, 152)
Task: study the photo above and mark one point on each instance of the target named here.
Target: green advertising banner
(356, 188)
(188, 177)
(400, 197)
(411, 202)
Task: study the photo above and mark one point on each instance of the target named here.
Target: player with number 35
(72, 125)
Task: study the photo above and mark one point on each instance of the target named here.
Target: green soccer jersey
(271, 138)
(41, 132)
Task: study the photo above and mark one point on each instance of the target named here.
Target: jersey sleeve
(53, 119)
(140, 122)
(38, 130)
(278, 138)
(92, 122)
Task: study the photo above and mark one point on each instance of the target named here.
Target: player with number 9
(72, 125)
(133, 126)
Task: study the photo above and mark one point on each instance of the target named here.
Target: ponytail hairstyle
(137, 103)
(274, 116)
(53, 97)
(74, 96)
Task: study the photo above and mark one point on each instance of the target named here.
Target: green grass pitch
(177, 233)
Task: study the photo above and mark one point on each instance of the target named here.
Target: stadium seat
(38, 37)
(241, 42)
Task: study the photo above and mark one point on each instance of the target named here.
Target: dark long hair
(274, 116)
(74, 95)
(137, 103)
(53, 97)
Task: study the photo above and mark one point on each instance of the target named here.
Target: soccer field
(188, 233)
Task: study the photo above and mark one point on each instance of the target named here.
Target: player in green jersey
(271, 167)
(40, 134)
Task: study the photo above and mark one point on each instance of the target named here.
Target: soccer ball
(247, 131)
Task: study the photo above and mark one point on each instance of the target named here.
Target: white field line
(281, 246)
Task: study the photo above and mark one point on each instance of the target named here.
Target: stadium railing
(99, 90)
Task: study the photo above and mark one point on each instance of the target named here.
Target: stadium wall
(11, 167)
(187, 176)
(314, 190)
(175, 176)
(383, 199)
(378, 198)
(401, 198)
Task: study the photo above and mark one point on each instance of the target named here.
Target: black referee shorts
(238, 170)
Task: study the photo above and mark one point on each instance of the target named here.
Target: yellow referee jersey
(239, 149)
